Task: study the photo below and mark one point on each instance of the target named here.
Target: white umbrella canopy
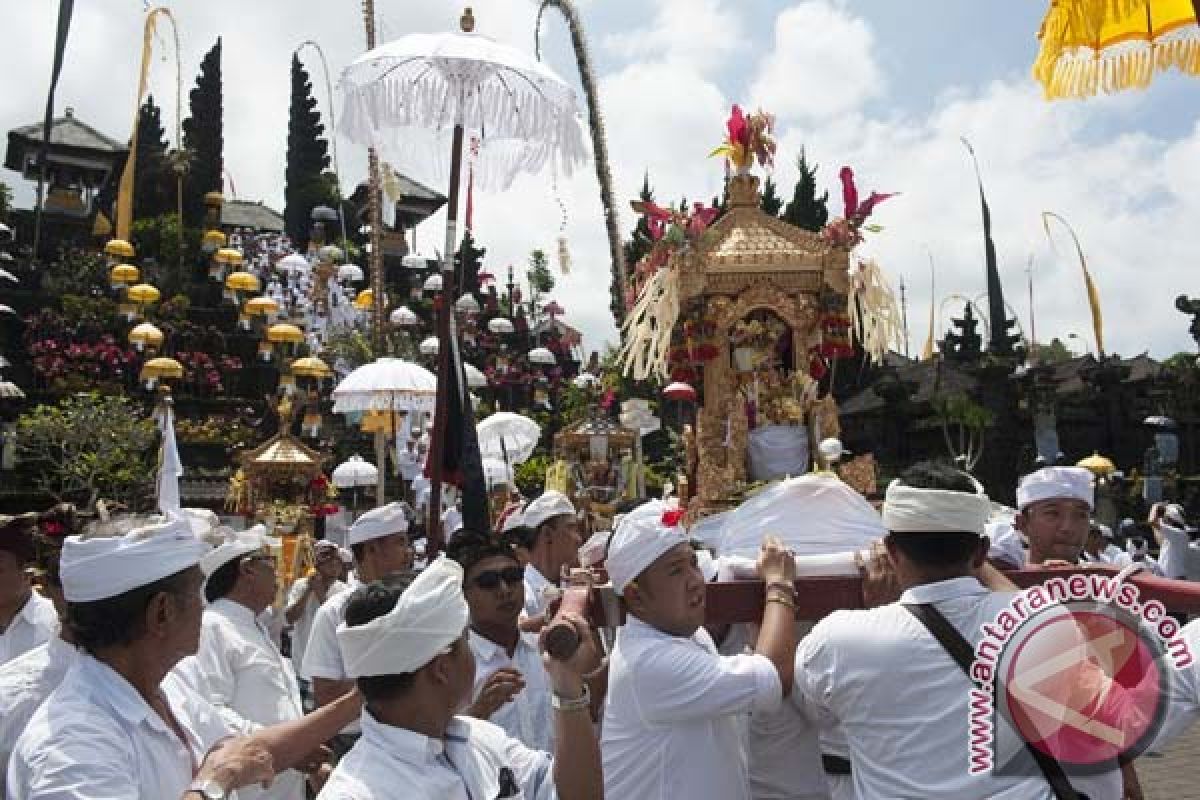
(540, 355)
(475, 378)
(292, 263)
(496, 473)
(386, 384)
(508, 435)
(585, 380)
(354, 472)
(500, 325)
(433, 283)
(405, 98)
(429, 346)
(350, 273)
(10, 391)
(404, 316)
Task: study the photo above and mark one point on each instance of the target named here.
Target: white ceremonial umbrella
(540, 355)
(353, 474)
(414, 99)
(585, 380)
(350, 273)
(507, 436)
(292, 263)
(386, 384)
(433, 283)
(467, 304)
(404, 317)
(10, 391)
(429, 346)
(496, 473)
(500, 325)
(475, 378)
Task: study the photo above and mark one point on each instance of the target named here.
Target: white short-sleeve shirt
(95, 737)
(476, 760)
(35, 624)
(302, 628)
(670, 726)
(528, 717)
(1183, 694)
(323, 654)
(239, 670)
(535, 583)
(902, 702)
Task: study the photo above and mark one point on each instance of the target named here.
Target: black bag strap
(964, 655)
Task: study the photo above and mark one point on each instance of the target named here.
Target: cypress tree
(203, 138)
(467, 262)
(770, 202)
(307, 159)
(806, 210)
(636, 248)
(154, 184)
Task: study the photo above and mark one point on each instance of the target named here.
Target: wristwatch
(559, 703)
(209, 790)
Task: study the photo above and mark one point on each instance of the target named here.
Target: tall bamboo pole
(375, 263)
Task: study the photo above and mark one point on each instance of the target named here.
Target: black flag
(462, 464)
(65, 9)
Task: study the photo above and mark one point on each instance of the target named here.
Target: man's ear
(1019, 521)
(981, 552)
(161, 614)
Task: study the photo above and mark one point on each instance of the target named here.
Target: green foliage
(77, 272)
(467, 263)
(203, 136)
(770, 202)
(94, 313)
(959, 409)
(806, 210)
(352, 346)
(154, 182)
(157, 243)
(531, 476)
(541, 282)
(1053, 352)
(307, 159)
(89, 447)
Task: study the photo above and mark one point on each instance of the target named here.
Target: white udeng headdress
(908, 509)
(429, 616)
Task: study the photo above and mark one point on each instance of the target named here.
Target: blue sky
(884, 86)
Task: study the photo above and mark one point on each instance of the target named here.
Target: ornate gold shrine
(749, 261)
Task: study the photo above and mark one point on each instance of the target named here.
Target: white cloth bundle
(429, 616)
(777, 451)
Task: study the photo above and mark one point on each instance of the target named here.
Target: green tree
(963, 423)
(806, 210)
(467, 263)
(89, 447)
(771, 202)
(307, 160)
(636, 248)
(203, 138)
(153, 192)
(157, 240)
(541, 281)
(1052, 352)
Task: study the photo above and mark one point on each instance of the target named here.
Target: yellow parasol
(214, 240)
(1092, 46)
(365, 300)
(311, 367)
(260, 306)
(161, 367)
(242, 282)
(1098, 465)
(123, 275)
(228, 255)
(145, 336)
(119, 248)
(285, 333)
(143, 294)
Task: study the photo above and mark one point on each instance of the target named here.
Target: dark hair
(371, 602)
(468, 548)
(16, 537)
(221, 582)
(120, 620)
(49, 551)
(937, 549)
(520, 536)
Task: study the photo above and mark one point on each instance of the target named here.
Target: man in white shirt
(27, 619)
(670, 722)
(1055, 513)
(237, 667)
(1177, 548)
(882, 678)
(511, 687)
(306, 596)
(406, 645)
(552, 539)
(379, 542)
(118, 725)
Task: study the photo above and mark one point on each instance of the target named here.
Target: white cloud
(821, 64)
(697, 34)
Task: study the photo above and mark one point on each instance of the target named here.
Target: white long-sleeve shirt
(240, 671)
(670, 720)
(35, 624)
(25, 683)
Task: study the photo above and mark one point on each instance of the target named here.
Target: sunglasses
(491, 579)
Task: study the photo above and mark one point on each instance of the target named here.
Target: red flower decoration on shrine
(53, 529)
(672, 517)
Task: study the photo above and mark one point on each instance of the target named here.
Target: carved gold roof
(285, 454)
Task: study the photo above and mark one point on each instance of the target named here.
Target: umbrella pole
(445, 330)
(381, 462)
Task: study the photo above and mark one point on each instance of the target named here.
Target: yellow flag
(1089, 285)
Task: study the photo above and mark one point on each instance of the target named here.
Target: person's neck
(141, 665)
(415, 714)
(246, 601)
(505, 636)
(9, 611)
(542, 562)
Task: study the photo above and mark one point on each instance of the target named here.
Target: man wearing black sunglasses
(511, 687)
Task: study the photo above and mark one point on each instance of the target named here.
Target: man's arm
(777, 638)
(298, 598)
(578, 773)
(326, 690)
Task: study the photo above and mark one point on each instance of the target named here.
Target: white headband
(908, 509)
(644, 535)
(430, 615)
(98, 568)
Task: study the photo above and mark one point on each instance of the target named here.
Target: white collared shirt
(670, 727)
(535, 582)
(528, 717)
(902, 702)
(35, 624)
(1183, 694)
(477, 761)
(323, 654)
(240, 671)
(96, 737)
(302, 628)
(25, 683)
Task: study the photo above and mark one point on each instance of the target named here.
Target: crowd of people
(144, 662)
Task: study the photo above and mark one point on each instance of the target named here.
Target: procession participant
(306, 596)
(670, 724)
(237, 667)
(1100, 549)
(1054, 512)
(873, 672)
(29, 679)
(379, 541)
(27, 619)
(553, 543)
(1177, 550)
(347, 571)
(408, 649)
(119, 725)
(511, 686)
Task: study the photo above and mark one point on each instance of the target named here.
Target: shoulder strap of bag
(964, 655)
